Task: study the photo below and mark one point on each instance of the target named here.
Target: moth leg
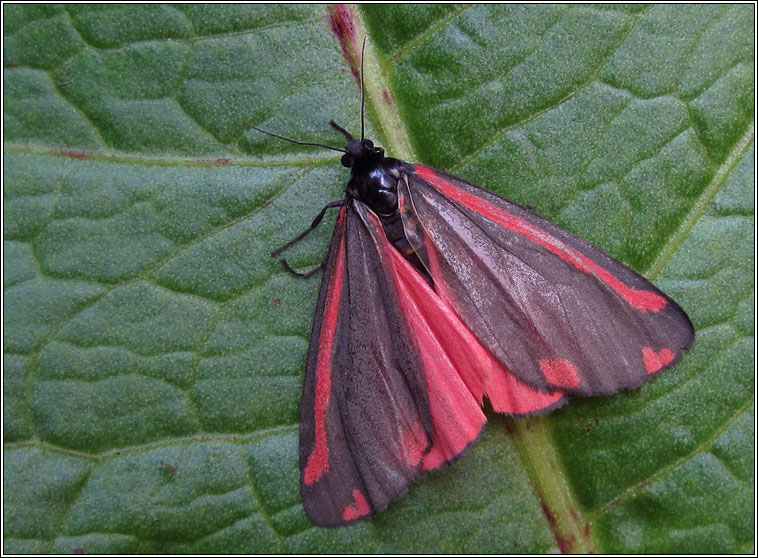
(307, 274)
(340, 129)
(314, 224)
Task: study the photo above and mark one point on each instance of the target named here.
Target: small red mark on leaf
(276, 302)
(548, 514)
(78, 550)
(358, 508)
(509, 426)
(168, 468)
(387, 97)
(655, 361)
(342, 21)
(590, 427)
(643, 484)
(560, 372)
(74, 154)
(223, 160)
(564, 543)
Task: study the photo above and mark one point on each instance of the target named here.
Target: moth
(437, 293)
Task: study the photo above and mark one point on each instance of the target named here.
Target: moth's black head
(361, 154)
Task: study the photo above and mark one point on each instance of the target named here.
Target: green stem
(533, 441)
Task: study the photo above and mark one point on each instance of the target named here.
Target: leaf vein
(593, 77)
(700, 448)
(698, 209)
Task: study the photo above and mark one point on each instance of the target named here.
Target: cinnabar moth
(435, 294)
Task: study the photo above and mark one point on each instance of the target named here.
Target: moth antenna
(298, 142)
(363, 89)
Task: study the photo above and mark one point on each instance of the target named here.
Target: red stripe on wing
(642, 300)
(318, 460)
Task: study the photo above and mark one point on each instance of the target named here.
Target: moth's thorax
(373, 177)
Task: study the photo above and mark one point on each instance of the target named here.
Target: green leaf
(154, 351)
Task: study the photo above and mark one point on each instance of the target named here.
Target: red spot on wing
(560, 372)
(643, 300)
(358, 508)
(655, 361)
(318, 460)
